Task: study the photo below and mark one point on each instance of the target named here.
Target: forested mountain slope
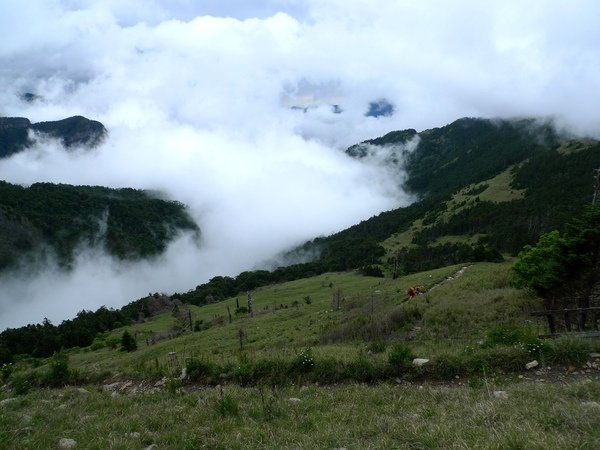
(77, 130)
(128, 223)
(458, 171)
(485, 187)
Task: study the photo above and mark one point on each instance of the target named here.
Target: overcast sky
(198, 96)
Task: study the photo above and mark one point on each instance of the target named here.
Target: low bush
(377, 346)
(400, 356)
(5, 371)
(227, 406)
(503, 335)
(197, 369)
(362, 370)
(303, 362)
(568, 350)
(59, 373)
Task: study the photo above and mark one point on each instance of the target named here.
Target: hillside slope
(73, 131)
(44, 217)
(485, 186)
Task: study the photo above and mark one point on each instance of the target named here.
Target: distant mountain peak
(72, 131)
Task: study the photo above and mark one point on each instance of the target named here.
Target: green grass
(461, 305)
(353, 416)
(497, 189)
(316, 353)
(454, 312)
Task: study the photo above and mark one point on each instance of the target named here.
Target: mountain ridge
(72, 131)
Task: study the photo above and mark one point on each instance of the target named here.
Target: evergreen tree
(564, 269)
(128, 342)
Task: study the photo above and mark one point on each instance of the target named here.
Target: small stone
(26, 430)
(160, 383)
(183, 375)
(595, 355)
(83, 391)
(134, 435)
(26, 418)
(418, 362)
(151, 447)
(294, 400)
(67, 443)
(531, 365)
(520, 377)
(6, 401)
(110, 387)
(501, 394)
(115, 394)
(126, 385)
(63, 406)
(457, 377)
(571, 369)
(591, 404)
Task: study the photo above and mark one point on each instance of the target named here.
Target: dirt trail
(455, 275)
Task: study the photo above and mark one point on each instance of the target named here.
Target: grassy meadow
(324, 362)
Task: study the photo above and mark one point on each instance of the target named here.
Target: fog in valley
(243, 113)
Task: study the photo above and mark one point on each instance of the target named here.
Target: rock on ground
(67, 443)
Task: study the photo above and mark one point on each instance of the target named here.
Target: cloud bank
(197, 99)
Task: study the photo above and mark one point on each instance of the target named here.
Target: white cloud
(198, 105)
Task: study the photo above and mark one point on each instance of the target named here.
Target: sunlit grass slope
(459, 306)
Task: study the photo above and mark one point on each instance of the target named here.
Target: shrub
(326, 370)
(59, 373)
(173, 386)
(475, 382)
(128, 343)
(197, 369)
(5, 371)
(361, 370)
(243, 371)
(372, 271)
(227, 406)
(377, 346)
(303, 362)
(503, 335)
(534, 346)
(22, 383)
(112, 342)
(448, 365)
(97, 344)
(400, 356)
(568, 350)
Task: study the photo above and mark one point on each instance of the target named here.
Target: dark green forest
(128, 223)
(72, 131)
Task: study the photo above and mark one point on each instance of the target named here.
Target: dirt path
(455, 275)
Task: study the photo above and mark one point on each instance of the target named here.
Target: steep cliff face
(73, 131)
